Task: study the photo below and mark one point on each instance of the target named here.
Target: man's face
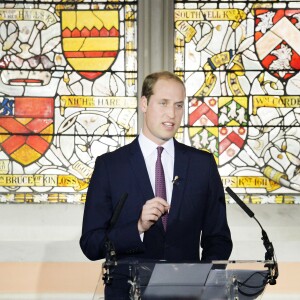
(164, 110)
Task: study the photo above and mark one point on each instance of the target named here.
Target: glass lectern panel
(151, 280)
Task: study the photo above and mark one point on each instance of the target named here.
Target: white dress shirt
(149, 150)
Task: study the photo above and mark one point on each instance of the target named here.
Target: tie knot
(159, 150)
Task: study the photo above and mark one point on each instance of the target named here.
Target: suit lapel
(180, 170)
(140, 170)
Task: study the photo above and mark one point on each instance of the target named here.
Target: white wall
(51, 232)
(280, 221)
(31, 232)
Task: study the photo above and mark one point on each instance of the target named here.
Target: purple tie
(160, 184)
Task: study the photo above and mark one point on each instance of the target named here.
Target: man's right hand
(152, 210)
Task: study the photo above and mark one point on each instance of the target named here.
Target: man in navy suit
(194, 204)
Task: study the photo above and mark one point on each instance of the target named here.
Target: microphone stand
(110, 251)
(111, 256)
(110, 261)
(269, 255)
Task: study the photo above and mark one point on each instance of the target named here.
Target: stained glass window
(68, 93)
(240, 61)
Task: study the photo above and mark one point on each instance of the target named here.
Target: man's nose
(171, 111)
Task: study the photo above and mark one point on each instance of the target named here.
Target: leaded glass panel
(68, 93)
(240, 61)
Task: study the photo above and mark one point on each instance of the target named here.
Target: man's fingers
(152, 210)
(161, 201)
(157, 209)
(158, 203)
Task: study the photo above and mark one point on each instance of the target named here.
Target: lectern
(161, 280)
(153, 280)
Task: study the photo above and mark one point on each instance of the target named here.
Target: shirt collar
(148, 147)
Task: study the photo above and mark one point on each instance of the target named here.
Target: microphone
(269, 255)
(110, 257)
(117, 212)
(176, 180)
(245, 208)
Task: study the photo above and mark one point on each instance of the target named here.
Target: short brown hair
(151, 79)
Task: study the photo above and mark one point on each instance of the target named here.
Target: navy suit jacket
(198, 210)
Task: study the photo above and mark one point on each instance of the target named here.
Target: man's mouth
(168, 124)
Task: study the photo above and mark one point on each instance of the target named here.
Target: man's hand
(152, 210)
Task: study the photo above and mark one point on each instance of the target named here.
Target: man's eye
(179, 105)
(163, 103)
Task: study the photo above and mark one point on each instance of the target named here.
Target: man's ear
(143, 104)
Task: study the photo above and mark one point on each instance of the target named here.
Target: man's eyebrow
(168, 100)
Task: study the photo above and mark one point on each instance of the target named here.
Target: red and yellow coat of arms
(219, 125)
(277, 36)
(90, 40)
(26, 127)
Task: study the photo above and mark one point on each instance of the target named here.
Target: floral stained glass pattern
(240, 62)
(68, 82)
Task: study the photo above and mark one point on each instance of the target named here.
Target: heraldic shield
(90, 40)
(26, 126)
(219, 125)
(277, 36)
